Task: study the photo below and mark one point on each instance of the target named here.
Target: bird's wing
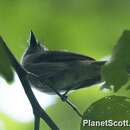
(51, 63)
(60, 56)
(47, 69)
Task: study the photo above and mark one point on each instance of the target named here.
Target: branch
(63, 97)
(22, 74)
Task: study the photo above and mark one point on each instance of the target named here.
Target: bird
(63, 71)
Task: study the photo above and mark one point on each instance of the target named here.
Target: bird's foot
(64, 97)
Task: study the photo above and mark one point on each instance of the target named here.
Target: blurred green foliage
(89, 27)
(9, 124)
(5, 66)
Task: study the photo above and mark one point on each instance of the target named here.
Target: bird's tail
(97, 78)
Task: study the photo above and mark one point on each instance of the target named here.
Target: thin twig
(74, 108)
(63, 97)
(37, 110)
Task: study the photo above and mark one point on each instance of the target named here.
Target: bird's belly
(61, 83)
(42, 86)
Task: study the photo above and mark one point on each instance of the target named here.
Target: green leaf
(116, 71)
(116, 108)
(5, 67)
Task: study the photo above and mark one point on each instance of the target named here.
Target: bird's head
(34, 46)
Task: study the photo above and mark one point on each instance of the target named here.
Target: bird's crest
(32, 40)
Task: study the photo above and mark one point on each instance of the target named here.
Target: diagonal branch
(22, 74)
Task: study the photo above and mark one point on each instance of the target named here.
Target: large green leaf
(116, 108)
(116, 71)
(5, 66)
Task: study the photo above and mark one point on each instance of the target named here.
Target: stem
(63, 97)
(36, 123)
